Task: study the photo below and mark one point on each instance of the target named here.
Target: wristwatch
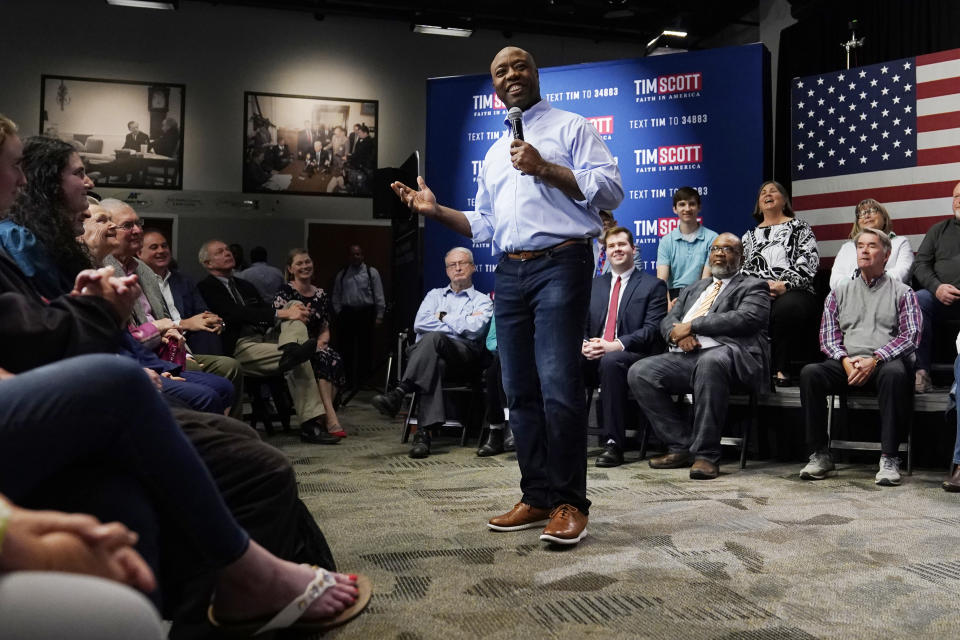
(440, 315)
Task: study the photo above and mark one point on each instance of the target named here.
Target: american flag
(888, 131)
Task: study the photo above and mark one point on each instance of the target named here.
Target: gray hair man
(871, 326)
(451, 326)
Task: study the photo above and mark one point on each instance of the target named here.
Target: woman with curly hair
(45, 246)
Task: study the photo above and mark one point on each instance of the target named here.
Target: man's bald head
(515, 78)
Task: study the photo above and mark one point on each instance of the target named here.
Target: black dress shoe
(421, 444)
(612, 456)
(388, 404)
(508, 444)
(783, 382)
(314, 432)
(294, 354)
(493, 444)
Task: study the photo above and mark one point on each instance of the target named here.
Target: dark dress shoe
(388, 404)
(671, 461)
(782, 382)
(493, 444)
(612, 456)
(704, 470)
(294, 354)
(314, 432)
(421, 444)
(952, 483)
(508, 443)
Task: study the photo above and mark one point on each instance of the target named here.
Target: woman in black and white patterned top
(782, 250)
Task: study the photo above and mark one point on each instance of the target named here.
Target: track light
(442, 31)
(170, 5)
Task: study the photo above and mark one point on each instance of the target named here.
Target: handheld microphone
(515, 116)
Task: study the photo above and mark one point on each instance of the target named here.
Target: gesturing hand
(422, 201)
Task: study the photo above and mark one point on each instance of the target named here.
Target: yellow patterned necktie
(707, 301)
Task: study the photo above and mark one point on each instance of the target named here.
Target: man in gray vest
(871, 327)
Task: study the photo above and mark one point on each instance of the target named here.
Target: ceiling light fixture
(670, 33)
(434, 30)
(170, 5)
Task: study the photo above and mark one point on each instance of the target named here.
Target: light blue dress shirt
(520, 212)
(685, 259)
(459, 320)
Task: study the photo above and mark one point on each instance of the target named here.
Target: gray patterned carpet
(753, 555)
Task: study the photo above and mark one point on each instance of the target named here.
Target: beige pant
(260, 356)
(226, 367)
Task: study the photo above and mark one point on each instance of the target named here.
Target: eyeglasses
(869, 211)
(719, 249)
(128, 226)
(460, 263)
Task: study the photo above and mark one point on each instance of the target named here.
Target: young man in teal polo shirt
(683, 253)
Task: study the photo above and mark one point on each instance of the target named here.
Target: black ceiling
(600, 20)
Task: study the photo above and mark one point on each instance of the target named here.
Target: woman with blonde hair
(870, 214)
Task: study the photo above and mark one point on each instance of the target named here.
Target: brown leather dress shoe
(522, 516)
(952, 483)
(671, 461)
(567, 526)
(704, 470)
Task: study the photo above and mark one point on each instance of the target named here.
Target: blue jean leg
(928, 304)
(103, 410)
(541, 314)
(201, 391)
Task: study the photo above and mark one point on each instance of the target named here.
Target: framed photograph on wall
(128, 133)
(309, 145)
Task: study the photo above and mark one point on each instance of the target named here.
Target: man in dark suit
(626, 307)
(717, 337)
(135, 138)
(305, 140)
(265, 341)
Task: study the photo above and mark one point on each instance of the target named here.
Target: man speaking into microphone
(538, 199)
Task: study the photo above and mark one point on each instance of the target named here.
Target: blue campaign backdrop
(695, 119)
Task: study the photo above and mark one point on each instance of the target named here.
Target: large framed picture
(128, 133)
(309, 145)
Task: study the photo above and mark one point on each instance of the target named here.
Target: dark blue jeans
(101, 412)
(932, 309)
(201, 391)
(541, 314)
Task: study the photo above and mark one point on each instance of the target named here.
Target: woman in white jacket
(870, 214)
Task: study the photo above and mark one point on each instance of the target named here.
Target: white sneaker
(819, 467)
(889, 474)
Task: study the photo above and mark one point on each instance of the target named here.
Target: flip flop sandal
(340, 433)
(289, 616)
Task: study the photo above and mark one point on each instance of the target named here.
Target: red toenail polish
(353, 577)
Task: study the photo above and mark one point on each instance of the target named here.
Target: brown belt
(530, 255)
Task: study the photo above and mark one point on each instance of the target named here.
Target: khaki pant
(226, 367)
(260, 356)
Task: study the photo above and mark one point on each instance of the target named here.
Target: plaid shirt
(905, 342)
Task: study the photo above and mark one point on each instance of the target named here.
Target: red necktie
(610, 330)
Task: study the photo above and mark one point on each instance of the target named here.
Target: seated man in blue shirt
(451, 325)
(684, 253)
